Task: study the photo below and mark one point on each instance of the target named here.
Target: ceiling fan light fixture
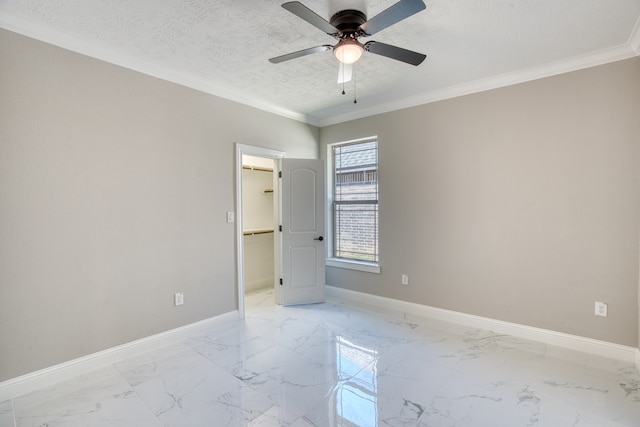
(348, 51)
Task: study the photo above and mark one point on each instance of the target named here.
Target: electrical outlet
(601, 309)
(178, 298)
(405, 279)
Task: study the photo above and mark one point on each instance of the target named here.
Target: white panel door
(303, 253)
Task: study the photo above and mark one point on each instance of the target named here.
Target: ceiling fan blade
(303, 12)
(392, 15)
(298, 54)
(344, 73)
(394, 52)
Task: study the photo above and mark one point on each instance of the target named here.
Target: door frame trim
(250, 150)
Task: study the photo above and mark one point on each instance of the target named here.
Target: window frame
(347, 263)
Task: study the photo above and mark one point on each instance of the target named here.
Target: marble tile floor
(341, 364)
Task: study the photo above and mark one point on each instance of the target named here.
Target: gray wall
(113, 193)
(520, 204)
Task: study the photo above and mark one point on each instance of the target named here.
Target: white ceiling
(223, 46)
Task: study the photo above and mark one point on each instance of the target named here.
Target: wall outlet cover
(601, 309)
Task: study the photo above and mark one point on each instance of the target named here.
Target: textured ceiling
(223, 46)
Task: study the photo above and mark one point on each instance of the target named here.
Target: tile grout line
(144, 402)
(13, 414)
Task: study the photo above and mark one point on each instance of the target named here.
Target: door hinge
(279, 174)
(281, 282)
(280, 228)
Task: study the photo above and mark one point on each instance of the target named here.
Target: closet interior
(258, 213)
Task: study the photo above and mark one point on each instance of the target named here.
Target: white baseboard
(27, 383)
(560, 339)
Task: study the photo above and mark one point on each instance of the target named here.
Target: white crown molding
(66, 41)
(112, 56)
(27, 383)
(592, 59)
(560, 339)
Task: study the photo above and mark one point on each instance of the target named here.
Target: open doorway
(257, 214)
(298, 245)
(259, 210)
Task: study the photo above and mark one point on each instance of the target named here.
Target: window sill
(369, 267)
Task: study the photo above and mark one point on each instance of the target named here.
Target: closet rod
(255, 233)
(256, 168)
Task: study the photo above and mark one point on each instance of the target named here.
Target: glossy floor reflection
(338, 364)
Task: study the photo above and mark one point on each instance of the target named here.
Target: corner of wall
(634, 39)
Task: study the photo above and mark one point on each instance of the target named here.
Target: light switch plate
(178, 298)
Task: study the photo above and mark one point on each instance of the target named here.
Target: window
(355, 201)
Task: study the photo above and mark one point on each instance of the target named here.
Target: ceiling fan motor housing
(348, 21)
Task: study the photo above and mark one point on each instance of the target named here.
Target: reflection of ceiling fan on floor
(347, 26)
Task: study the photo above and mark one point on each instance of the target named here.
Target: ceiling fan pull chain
(355, 101)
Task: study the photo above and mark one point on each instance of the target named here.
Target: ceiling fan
(347, 26)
